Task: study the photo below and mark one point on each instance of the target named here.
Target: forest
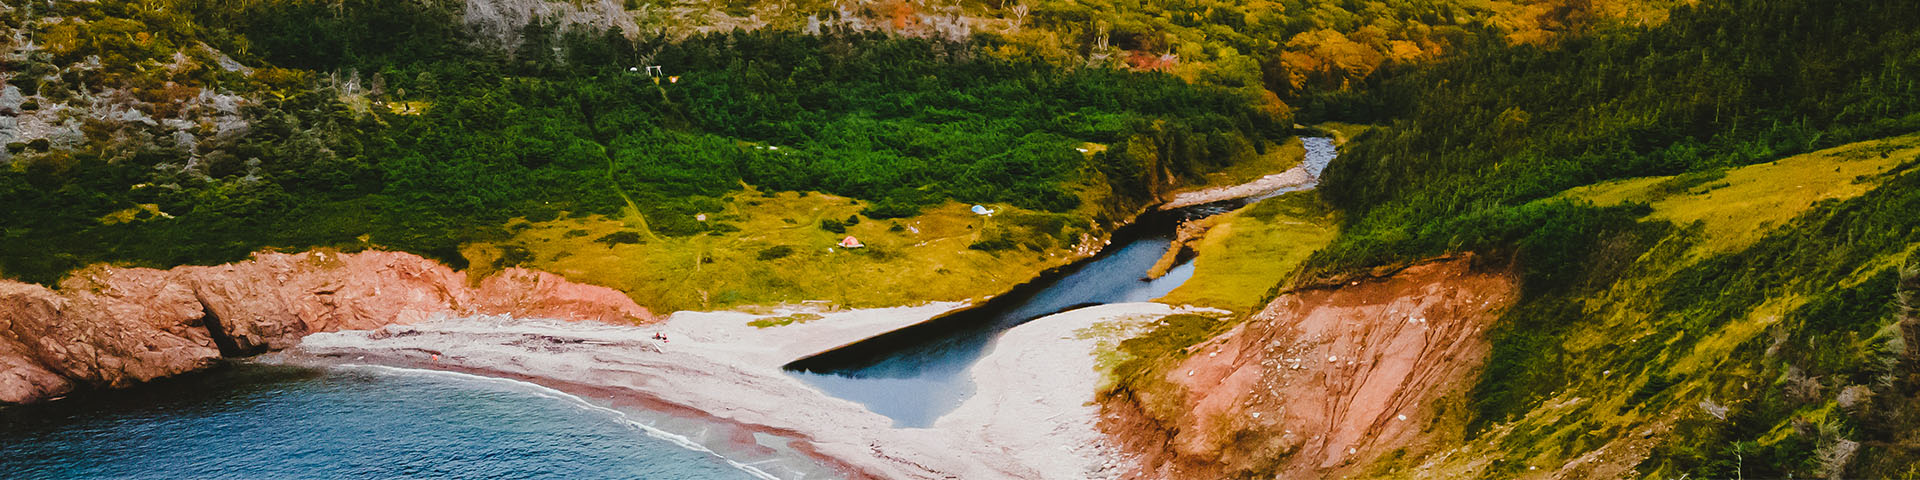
(1695, 94)
(427, 142)
(176, 132)
(1720, 86)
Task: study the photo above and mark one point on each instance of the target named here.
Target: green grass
(782, 321)
(1732, 280)
(1108, 336)
(1247, 253)
(1143, 360)
(1744, 203)
(775, 252)
(1279, 158)
(1343, 132)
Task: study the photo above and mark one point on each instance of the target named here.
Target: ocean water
(344, 422)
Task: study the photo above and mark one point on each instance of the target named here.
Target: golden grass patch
(1279, 158)
(781, 254)
(1743, 205)
(1250, 251)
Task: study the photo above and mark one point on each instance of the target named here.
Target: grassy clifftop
(1742, 326)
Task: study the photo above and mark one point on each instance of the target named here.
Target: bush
(617, 238)
(994, 244)
(774, 252)
(833, 226)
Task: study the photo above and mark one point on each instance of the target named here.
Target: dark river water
(925, 378)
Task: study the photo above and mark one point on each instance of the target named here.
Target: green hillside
(1712, 206)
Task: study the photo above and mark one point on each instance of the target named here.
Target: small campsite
(774, 248)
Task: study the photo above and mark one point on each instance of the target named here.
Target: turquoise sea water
(345, 422)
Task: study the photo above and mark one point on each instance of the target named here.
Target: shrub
(775, 252)
(616, 238)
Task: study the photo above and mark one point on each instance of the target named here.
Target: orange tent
(851, 242)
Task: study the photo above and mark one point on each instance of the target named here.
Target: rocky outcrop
(114, 327)
(1322, 380)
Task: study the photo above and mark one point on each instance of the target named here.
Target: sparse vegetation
(782, 321)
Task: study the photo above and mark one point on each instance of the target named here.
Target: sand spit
(1032, 417)
(1037, 389)
(1320, 152)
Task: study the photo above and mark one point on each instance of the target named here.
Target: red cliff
(1323, 380)
(114, 327)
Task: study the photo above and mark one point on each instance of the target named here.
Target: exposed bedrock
(109, 327)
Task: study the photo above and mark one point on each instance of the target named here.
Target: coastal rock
(115, 327)
(523, 293)
(1321, 380)
(111, 328)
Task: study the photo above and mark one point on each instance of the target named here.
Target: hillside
(139, 142)
(1561, 238)
(1697, 297)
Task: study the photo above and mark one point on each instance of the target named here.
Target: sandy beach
(1037, 388)
(1030, 418)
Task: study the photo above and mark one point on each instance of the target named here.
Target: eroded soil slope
(1321, 379)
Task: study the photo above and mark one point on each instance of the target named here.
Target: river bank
(1319, 151)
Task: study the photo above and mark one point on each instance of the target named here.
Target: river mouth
(253, 420)
(340, 419)
(916, 374)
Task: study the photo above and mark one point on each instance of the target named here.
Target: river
(919, 373)
(337, 419)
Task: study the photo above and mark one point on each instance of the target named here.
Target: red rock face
(113, 327)
(1323, 379)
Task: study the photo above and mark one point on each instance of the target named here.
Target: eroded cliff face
(1321, 381)
(115, 327)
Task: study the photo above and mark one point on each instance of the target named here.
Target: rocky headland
(108, 327)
